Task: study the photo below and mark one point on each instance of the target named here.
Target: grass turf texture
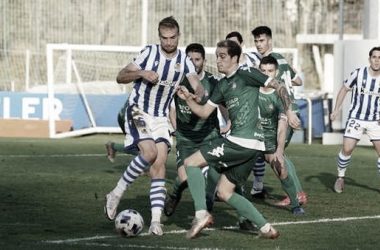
(52, 196)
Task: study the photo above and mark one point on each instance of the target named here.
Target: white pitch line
(52, 156)
(325, 220)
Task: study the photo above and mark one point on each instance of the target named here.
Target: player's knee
(149, 155)
(223, 195)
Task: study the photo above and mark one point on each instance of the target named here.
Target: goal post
(85, 74)
(81, 80)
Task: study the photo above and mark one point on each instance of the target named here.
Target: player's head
(374, 58)
(197, 54)
(269, 66)
(263, 39)
(236, 37)
(168, 32)
(227, 56)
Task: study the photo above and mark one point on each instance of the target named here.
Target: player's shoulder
(253, 55)
(281, 60)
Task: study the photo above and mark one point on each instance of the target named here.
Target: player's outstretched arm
(131, 73)
(339, 100)
(199, 91)
(203, 111)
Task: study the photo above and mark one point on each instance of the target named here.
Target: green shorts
(187, 146)
(230, 159)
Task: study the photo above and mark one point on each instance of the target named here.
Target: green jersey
(189, 124)
(270, 109)
(240, 94)
(283, 69)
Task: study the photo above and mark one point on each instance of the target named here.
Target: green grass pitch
(52, 196)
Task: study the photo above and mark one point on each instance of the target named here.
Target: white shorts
(141, 126)
(355, 129)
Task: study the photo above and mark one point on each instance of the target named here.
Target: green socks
(197, 186)
(246, 209)
(289, 187)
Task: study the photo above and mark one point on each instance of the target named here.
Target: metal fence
(28, 25)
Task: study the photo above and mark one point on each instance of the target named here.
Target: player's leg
(352, 135)
(287, 183)
(157, 188)
(185, 147)
(112, 147)
(179, 185)
(258, 190)
(139, 129)
(243, 206)
(301, 195)
(212, 181)
(376, 144)
(133, 170)
(197, 188)
(373, 132)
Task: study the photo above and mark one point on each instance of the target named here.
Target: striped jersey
(155, 99)
(365, 95)
(252, 60)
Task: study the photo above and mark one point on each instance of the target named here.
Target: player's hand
(199, 93)
(333, 115)
(293, 120)
(183, 93)
(150, 76)
(280, 158)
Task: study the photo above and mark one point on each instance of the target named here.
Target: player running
(235, 154)
(156, 72)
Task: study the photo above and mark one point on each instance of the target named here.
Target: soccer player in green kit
(264, 45)
(235, 154)
(275, 124)
(192, 131)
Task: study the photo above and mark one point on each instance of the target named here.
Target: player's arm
(282, 127)
(131, 73)
(203, 111)
(339, 100)
(297, 81)
(226, 117)
(172, 115)
(281, 91)
(199, 91)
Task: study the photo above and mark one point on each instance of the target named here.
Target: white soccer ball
(129, 223)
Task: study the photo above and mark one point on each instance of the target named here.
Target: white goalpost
(81, 80)
(95, 69)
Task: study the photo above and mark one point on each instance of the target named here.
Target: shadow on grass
(328, 180)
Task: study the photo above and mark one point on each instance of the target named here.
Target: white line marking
(53, 156)
(325, 220)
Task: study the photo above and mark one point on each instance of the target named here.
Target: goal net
(81, 85)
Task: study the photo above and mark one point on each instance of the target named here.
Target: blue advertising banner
(24, 105)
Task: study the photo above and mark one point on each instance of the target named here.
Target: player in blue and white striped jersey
(363, 115)
(156, 72)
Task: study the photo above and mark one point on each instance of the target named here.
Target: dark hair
(372, 50)
(233, 49)
(196, 47)
(259, 30)
(235, 34)
(269, 60)
(168, 22)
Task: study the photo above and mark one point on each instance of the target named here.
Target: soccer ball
(129, 223)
